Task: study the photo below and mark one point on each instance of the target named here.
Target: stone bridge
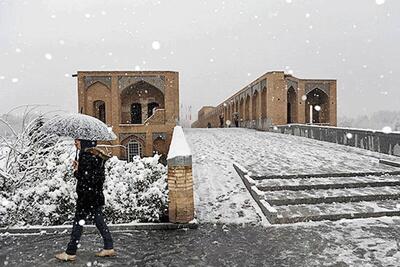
(290, 178)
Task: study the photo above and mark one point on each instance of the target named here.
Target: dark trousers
(83, 216)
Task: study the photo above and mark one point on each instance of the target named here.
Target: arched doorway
(99, 110)
(291, 105)
(247, 109)
(254, 106)
(241, 110)
(264, 103)
(136, 113)
(317, 106)
(151, 107)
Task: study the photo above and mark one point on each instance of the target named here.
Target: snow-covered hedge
(37, 186)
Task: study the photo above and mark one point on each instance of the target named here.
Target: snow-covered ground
(220, 195)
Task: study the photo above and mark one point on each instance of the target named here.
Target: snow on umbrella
(79, 126)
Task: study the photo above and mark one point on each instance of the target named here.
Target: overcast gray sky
(217, 46)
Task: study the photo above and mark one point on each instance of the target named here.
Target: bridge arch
(254, 106)
(292, 113)
(317, 106)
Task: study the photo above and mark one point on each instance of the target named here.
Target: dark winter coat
(90, 176)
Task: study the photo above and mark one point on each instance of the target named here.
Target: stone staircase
(316, 197)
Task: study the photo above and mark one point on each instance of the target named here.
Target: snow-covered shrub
(37, 186)
(135, 191)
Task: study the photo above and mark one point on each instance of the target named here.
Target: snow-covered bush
(136, 190)
(37, 186)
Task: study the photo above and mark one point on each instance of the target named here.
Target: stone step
(286, 197)
(324, 175)
(327, 183)
(336, 211)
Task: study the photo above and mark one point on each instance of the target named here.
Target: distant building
(142, 107)
(275, 98)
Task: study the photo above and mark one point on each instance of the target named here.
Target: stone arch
(264, 103)
(247, 108)
(231, 110)
(96, 95)
(254, 106)
(318, 103)
(241, 109)
(292, 114)
(143, 93)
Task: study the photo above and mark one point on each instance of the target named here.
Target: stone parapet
(387, 143)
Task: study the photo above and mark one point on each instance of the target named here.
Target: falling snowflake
(82, 222)
(14, 80)
(89, 264)
(380, 2)
(288, 1)
(110, 54)
(66, 75)
(211, 60)
(103, 13)
(87, 15)
(317, 108)
(156, 45)
(304, 97)
(48, 56)
(61, 42)
(307, 15)
(349, 135)
(18, 50)
(137, 68)
(2, 77)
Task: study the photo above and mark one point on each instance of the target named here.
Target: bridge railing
(387, 143)
(180, 179)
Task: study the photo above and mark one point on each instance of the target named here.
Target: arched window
(99, 108)
(151, 108)
(134, 149)
(136, 113)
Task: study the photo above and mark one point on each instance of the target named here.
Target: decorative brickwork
(180, 186)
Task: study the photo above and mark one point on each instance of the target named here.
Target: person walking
(89, 171)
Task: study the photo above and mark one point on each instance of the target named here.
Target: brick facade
(275, 98)
(180, 192)
(140, 106)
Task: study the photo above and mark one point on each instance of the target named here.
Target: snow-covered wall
(379, 141)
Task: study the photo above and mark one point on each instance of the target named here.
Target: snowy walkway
(344, 243)
(220, 193)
